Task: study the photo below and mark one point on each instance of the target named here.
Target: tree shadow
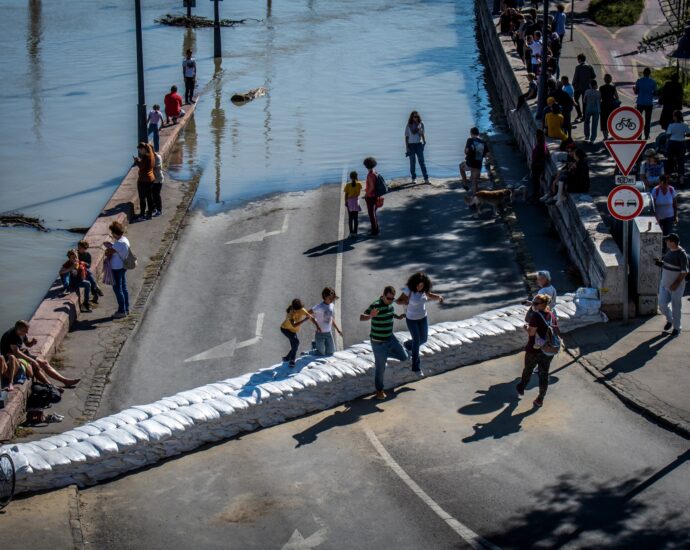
(356, 410)
(580, 513)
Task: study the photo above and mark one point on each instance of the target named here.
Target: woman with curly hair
(415, 296)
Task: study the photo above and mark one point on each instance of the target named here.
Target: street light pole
(572, 19)
(217, 50)
(141, 105)
(541, 102)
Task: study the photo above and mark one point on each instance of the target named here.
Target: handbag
(550, 345)
(107, 276)
(130, 262)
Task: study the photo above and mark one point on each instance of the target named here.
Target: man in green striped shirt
(382, 316)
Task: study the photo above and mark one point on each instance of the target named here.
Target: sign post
(625, 203)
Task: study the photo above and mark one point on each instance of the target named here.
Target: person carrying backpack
(542, 346)
(375, 189)
(475, 151)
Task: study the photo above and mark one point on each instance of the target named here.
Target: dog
(495, 199)
(241, 99)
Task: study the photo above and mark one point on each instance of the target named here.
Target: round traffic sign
(625, 123)
(625, 202)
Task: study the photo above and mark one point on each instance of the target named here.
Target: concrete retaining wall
(588, 241)
(52, 319)
(143, 435)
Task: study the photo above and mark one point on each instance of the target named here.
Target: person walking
(189, 75)
(155, 121)
(674, 270)
(146, 162)
(384, 344)
(475, 151)
(541, 323)
(117, 252)
(591, 103)
(671, 99)
(559, 22)
(582, 81)
(645, 88)
(370, 196)
(295, 317)
(546, 287)
(352, 191)
(414, 297)
(665, 205)
(609, 102)
(675, 146)
(324, 314)
(157, 185)
(415, 141)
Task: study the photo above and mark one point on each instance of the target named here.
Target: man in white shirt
(189, 74)
(674, 270)
(324, 315)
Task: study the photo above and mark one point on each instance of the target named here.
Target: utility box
(645, 275)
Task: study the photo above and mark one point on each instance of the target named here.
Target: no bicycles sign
(625, 123)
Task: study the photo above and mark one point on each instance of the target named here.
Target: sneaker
(292, 364)
(418, 372)
(538, 402)
(85, 307)
(156, 213)
(380, 395)
(520, 390)
(668, 327)
(414, 181)
(426, 181)
(99, 291)
(675, 332)
(544, 198)
(119, 315)
(94, 298)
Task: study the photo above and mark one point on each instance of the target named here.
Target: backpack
(130, 262)
(550, 345)
(42, 396)
(380, 188)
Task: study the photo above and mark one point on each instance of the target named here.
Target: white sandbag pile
(145, 434)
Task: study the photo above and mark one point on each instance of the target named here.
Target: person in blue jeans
(73, 275)
(645, 88)
(415, 140)
(324, 314)
(117, 252)
(155, 121)
(415, 296)
(384, 344)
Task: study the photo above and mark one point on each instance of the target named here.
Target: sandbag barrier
(145, 434)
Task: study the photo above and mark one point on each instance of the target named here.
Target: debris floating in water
(196, 22)
(242, 99)
(17, 219)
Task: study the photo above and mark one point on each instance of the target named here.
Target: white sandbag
(199, 412)
(71, 454)
(54, 458)
(181, 418)
(211, 390)
(135, 413)
(64, 437)
(222, 406)
(177, 399)
(317, 375)
(103, 424)
(85, 448)
(155, 430)
(88, 429)
(21, 462)
(172, 424)
(167, 404)
(225, 389)
(150, 410)
(272, 388)
(137, 433)
(237, 402)
(121, 437)
(36, 462)
(105, 445)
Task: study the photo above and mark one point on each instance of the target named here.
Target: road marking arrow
(298, 542)
(228, 348)
(261, 235)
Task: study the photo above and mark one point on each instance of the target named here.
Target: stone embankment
(586, 237)
(52, 319)
(143, 435)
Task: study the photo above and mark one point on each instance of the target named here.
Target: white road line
(469, 536)
(227, 349)
(261, 235)
(339, 263)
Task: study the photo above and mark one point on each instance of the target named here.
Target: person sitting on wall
(576, 179)
(531, 93)
(554, 122)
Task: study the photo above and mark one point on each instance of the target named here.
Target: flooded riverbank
(341, 80)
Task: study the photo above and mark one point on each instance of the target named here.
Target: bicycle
(7, 480)
(628, 123)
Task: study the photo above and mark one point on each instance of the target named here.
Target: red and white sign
(625, 202)
(625, 123)
(625, 153)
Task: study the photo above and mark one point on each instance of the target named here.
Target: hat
(673, 237)
(550, 101)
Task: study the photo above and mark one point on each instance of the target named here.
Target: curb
(54, 316)
(652, 413)
(143, 435)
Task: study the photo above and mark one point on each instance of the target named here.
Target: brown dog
(495, 199)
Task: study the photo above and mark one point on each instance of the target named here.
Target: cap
(673, 237)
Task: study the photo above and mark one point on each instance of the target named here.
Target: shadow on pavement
(503, 424)
(579, 512)
(637, 357)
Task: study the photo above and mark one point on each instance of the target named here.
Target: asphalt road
(583, 472)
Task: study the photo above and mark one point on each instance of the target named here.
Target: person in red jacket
(173, 106)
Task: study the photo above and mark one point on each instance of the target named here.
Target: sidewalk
(644, 368)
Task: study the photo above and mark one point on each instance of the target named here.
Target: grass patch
(615, 13)
(662, 75)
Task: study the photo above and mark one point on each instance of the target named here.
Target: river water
(342, 78)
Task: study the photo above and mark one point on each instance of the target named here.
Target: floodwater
(342, 78)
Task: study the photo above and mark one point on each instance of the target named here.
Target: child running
(296, 315)
(352, 192)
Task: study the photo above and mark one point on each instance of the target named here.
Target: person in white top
(155, 122)
(189, 74)
(415, 296)
(324, 315)
(676, 132)
(117, 252)
(545, 287)
(415, 140)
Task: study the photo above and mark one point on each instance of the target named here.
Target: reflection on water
(33, 47)
(342, 78)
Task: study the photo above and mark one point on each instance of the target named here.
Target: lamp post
(572, 19)
(141, 105)
(217, 50)
(541, 102)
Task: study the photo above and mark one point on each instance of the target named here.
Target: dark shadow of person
(503, 424)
